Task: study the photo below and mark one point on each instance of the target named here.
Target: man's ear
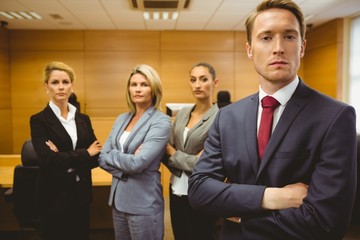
(302, 48)
(249, 51)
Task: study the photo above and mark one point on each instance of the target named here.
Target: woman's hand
(138, 149)
(52, 146)
(94, 148)
(170, 150)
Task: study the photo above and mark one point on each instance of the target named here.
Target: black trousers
(66, 225)
(189, 224)
(71, 222)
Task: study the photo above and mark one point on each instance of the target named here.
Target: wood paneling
(247, 79)
(21, 126)
(6, 139)
(122, 41)
(197, 41)
(327, 34)
(240, 42)
(321, 70)
(5, 94)
(5, 86)
(43, 40)
(323, 59)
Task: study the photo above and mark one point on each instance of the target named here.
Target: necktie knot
(269, 102)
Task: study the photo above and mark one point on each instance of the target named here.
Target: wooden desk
(8, 163)
(99, 177)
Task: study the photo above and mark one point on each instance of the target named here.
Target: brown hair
(208, 66)
(282, 4)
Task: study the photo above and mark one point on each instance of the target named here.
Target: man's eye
(289, 37)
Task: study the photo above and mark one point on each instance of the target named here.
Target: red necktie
(269, 104)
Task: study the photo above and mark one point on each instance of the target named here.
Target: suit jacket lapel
(296, 103)
(81, 129)
(250, 127)
(144, 118)
(206, 117)
(56, 126)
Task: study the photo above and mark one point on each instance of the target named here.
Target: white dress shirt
(283, 95)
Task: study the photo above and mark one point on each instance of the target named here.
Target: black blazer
(57, 188)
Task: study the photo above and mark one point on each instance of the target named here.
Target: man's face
(276, 46)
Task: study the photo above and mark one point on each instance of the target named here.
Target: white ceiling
(118, 14)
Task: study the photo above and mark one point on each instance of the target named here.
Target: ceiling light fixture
(154, 15)
(21, 15)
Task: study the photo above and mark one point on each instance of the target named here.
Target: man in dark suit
(303, 185)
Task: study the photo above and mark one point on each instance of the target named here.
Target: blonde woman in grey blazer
(132, 154)
(189, 133)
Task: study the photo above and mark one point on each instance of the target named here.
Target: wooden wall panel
(46, 40)
(240, 41)
(247, 79)
(5, 94)
(4, 39)
(5, 87)
(329, 33)
(321, 69)
(106, 77)
(6, 139)
(197, 41)
(21, 126)
(322, 62)
(122, 41)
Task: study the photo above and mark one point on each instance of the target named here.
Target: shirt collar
(57, 112)
(284, 94)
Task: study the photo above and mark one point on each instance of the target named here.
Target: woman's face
(59, 86)
(201, 82)
(140, 90)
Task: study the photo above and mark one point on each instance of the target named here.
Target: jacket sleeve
(104, 154)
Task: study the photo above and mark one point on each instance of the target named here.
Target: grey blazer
(136, 186)
(184, 158)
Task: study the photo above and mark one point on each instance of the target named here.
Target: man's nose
(278, 46)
